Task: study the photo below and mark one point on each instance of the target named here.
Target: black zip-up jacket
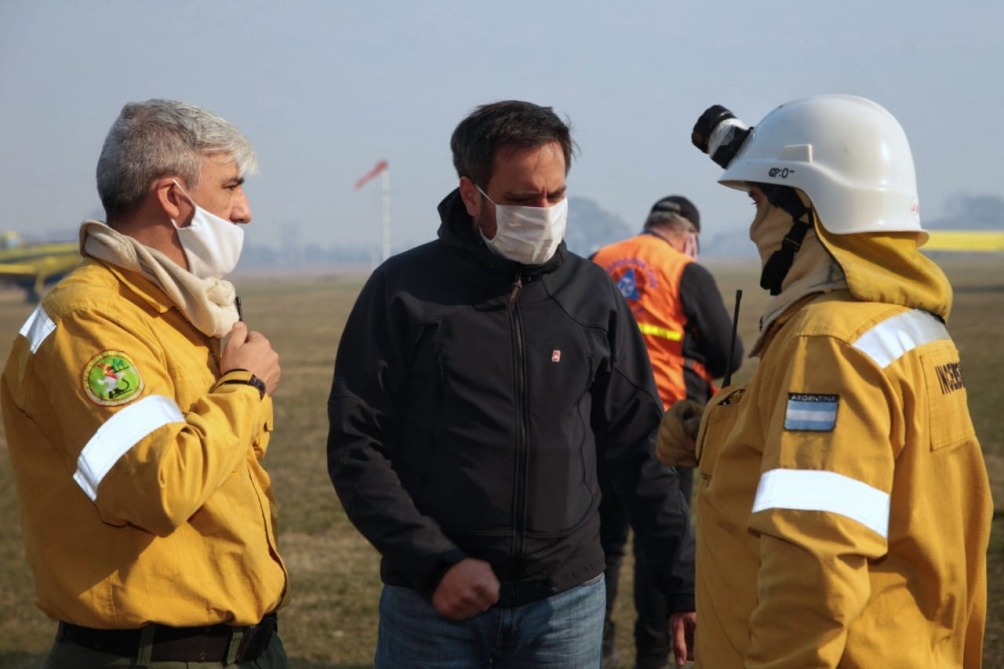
(473, 400)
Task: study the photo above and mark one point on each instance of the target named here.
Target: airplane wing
(34, 273)
(965, 240)
(17, 271)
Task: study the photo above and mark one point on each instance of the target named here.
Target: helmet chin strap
(779, 263)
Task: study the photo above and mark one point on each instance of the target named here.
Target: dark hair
(669, 208)
(510, 124)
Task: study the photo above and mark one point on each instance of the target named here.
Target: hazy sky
(326, 89)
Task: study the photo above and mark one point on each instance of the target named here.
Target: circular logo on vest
(111, 379)
(634, 277)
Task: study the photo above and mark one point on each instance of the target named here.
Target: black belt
(177, 644)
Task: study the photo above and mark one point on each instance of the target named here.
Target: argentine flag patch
(812, 413)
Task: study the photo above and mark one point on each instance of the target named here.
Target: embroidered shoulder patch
(812, 413)
(628, 285)
(111, 379)
(633, 277)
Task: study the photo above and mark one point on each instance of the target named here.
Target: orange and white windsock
(380, 167)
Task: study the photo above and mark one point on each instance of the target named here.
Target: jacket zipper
(522, 418)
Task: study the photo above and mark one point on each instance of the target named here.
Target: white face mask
(212, 244)
(527, 235)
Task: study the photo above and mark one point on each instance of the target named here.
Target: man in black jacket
(480, 381)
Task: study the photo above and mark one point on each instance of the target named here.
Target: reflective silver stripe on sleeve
(894, 337)
(813, 490)
(37, 328)
(120, 433)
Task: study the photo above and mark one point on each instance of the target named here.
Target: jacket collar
(144, 289)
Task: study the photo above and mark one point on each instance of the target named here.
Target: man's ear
(168, 196)
(471, 196)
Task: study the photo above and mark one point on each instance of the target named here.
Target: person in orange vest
(687, 332)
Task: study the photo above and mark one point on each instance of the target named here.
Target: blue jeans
(564, 631)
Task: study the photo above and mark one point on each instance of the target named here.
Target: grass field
(330, 622)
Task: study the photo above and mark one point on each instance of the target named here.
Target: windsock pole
(381, 168)
(386, 214)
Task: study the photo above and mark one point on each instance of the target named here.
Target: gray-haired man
(136, 437)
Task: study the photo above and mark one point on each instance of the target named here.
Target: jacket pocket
(718, 422)
(949, 421)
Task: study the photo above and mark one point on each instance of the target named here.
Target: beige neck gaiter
(207, 303)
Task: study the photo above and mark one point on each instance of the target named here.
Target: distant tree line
(589, 228)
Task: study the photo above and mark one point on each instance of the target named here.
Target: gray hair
(668, 221)
(159, 137)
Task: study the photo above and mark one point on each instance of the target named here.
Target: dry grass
(331, 620)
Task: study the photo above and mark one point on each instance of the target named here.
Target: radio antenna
(732, 344)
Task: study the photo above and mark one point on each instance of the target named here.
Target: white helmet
(848, 154)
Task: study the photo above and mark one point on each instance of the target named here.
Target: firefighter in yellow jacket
(135, 433)
(844, 508)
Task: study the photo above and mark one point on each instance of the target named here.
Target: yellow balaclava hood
(888, 267)
(873, 267)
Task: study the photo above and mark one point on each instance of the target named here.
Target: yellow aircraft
(33, 266)
(973, 241)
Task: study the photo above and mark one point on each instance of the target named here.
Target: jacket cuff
(680, 602)
(242, 377)
(446, 560)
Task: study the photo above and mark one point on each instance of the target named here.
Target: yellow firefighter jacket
(137, 465)
(844, 507)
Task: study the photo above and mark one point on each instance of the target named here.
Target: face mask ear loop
(484, 194)
(477, 221)
(183, 191)
(187, 197)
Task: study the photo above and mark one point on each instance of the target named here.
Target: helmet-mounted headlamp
(720, 134)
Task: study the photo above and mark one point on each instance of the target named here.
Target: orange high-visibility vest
(647, 270)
